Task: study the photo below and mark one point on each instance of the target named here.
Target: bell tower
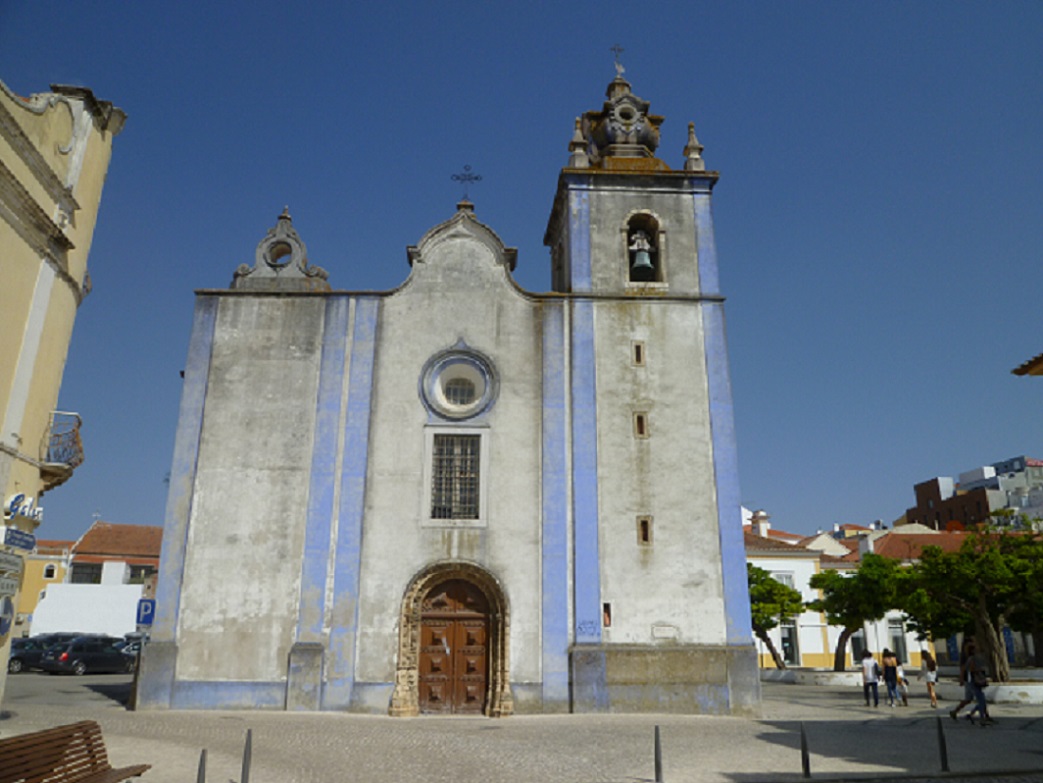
(660, 613)
(623, 221)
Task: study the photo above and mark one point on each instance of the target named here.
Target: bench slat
(74, 753)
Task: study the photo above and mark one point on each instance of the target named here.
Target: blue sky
(878, 217)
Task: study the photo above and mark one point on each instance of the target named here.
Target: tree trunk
(990, 643)
(840, 654)
(1037, 645)
(779, 663)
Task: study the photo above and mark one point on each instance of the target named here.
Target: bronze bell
(642, 268)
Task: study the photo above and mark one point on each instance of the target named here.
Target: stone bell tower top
(622, 135)
(624, 223)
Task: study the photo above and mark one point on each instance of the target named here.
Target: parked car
(49, 639)
(131, 648)
(25, 655)
(94, 654)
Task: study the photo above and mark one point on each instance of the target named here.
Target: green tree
(771, 603)
(994, 580)
(853, 600)
(1027, 614)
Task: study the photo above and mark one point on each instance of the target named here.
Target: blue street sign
(19, 539)
(6, 617)
(146, 611)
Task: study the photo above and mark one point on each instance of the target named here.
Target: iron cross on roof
(467, 178)
(617, 50)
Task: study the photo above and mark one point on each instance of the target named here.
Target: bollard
(247, 753)
(942, 750)
(658, 758)
(201, 775)
(805, 759)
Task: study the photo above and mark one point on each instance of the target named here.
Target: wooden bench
(65, 754)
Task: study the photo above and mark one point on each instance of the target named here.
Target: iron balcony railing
(62, 444)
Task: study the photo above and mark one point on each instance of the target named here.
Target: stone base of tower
(691, 679)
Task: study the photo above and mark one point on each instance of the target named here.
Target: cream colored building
(54, 155)
(46, 565)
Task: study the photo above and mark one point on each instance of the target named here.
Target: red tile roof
(761, 544)
(848, 560)
(52, 546)
(125, 541)
(908, 546)
(780, 535)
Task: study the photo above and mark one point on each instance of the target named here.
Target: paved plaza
(846, 740)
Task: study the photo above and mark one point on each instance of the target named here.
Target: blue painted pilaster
(555, 512)
(347, 563)
(318, 532)
(183, 470)
(579, 241)
(739, 629)
(586, 560)
(159, 661)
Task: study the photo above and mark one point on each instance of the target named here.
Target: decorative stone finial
(578, 158)
(693, 152)
(281, 262)
(623, 134)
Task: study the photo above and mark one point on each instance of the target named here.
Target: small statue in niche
(641, 267)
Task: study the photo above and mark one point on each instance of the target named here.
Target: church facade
(460, 496)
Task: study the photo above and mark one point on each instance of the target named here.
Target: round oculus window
(458, 384)
(278, 254)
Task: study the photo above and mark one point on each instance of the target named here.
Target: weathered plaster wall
(239, 598)
(670, 589)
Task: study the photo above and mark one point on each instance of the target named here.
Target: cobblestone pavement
(846, 740)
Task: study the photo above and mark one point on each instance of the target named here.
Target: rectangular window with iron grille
(455, 469)
(85, 574)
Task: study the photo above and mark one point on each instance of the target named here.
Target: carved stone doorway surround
(405, 698)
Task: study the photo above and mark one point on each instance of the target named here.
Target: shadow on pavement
(118, 692)
(908, 746)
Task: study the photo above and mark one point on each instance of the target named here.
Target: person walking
(968, 692)
(870, 677)
(903, 686)
(929, 673)
(890, 676)
(978, 679)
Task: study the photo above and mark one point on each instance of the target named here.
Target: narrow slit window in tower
(644, 531)
(641, 425)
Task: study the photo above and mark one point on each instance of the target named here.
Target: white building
(808, 640)
(112, 568)
(459, 496)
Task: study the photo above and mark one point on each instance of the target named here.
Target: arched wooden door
(454, 660)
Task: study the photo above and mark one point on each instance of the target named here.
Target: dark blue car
(93, 654)
(25, 655)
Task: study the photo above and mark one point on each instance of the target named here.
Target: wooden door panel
(453, 653)
(469, 697)
(433, 696)
(435, 681)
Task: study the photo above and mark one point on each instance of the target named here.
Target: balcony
(62, 449)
